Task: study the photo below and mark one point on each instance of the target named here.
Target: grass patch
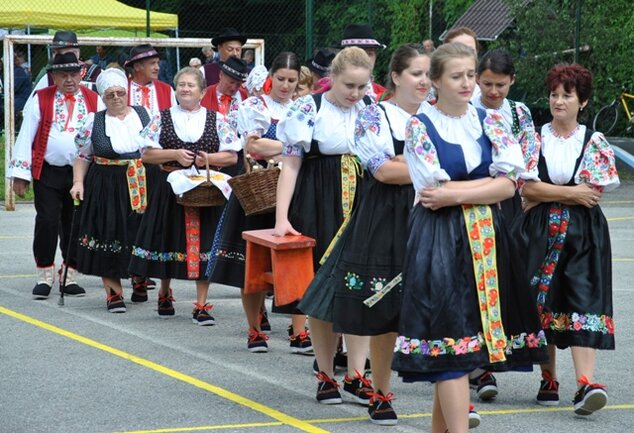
(3, 180)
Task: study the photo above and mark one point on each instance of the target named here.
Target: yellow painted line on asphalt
(624, 259)
(365, 418)
(621, 218)
(481, 412)
(283, 418)
(207, 428)
(17, 276)
(617, 202)
(15, 237)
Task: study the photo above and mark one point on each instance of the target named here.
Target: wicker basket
(204, 195)
(256, 191)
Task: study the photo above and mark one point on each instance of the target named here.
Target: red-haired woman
(566, 237)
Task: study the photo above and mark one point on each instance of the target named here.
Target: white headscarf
(256, 78)
(111, 77)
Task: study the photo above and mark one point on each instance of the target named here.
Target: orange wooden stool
(286, 263)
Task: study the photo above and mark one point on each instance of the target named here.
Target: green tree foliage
(544, 35)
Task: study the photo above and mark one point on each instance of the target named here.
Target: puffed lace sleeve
(83, 140)
(421, 156)
(252, 117)
(598, 167)
(296, 129)
(372, 138)
(506, 152)
(227, 136)
(151, 134)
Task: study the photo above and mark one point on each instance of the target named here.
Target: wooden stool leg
(292, 273)
(258, 262)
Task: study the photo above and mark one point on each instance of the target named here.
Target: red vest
(210, 99)
(163, 94)
(47, 103)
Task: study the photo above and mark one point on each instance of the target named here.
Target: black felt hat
(64, 62)
(235, 68)
(64, 39)
(359, 35)
(320, 64)
(141, 52)
(228, 34)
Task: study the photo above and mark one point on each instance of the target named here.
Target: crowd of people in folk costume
(454, 240)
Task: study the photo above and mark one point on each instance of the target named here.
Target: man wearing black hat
(361, 35)
(225, 96)
(319, 65)
(228, 43)
(144, 88)
(66, 42)
(44, 153)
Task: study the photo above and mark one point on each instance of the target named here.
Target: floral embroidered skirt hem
(568, 256)
(440, 327)
(173, 241)
(108, 226)
(229, 249)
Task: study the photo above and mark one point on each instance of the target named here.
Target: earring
(581, 109)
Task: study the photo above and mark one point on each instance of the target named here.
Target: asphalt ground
(78, 368)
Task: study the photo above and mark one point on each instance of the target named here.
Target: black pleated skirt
(316, 208)
(229, 250)
(577, 307)
(440, 329)
(367, 257)
(108, 226)
(160, 247)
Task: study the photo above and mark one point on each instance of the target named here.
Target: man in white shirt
(145, 89)
(44, 154)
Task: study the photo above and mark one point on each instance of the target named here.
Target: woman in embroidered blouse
(256, 121)
(109, 177)
(462, 162)
(316, 191)
(566, 236)
(174, 241)
(495, 75)
(371, 251)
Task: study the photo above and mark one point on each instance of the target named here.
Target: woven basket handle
(207, 166)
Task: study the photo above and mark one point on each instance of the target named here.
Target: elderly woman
(173, 241)
(109, 177)
(566, 237)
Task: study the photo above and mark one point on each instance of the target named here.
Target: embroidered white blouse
(124, 135)
(255, 115)
(373, 142)
(332, 128)
(597, 167)
(189, 127)
(422, 158)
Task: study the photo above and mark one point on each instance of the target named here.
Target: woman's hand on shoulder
(282, 228)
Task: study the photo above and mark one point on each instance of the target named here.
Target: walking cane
(62, 282)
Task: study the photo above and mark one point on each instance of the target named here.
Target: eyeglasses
(112, 95)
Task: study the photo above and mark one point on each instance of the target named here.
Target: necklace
(451, 116)
(410, 110)
(565, 136)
